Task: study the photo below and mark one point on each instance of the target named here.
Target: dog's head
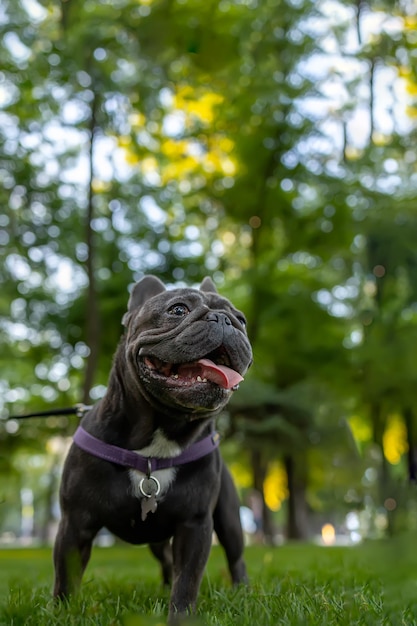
(186, 348)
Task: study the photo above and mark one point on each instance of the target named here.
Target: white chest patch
(164, 449)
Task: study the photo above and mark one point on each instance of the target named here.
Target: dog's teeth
(175, 376)
(204, 380)
(200, 380)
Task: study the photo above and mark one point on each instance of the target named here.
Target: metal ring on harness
(157, 483)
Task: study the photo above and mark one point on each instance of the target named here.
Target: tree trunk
(412, 444)
(53, 480)
(298, 527)
(378, 428)
(92, 309)
(385, 486)
(259, 470)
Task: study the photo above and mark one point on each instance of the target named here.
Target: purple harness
(128, 458)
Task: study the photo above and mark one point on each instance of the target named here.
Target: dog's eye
(242, 320)
(178, 309)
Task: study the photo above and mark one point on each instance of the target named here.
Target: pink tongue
(219, 374)
(205, 368)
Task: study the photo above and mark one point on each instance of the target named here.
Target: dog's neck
(132, 423)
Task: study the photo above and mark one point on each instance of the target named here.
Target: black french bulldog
(144, 463)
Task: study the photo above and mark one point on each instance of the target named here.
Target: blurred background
(270, 144)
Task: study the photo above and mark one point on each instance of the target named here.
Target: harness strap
(132, 459)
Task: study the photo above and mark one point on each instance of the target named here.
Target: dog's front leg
(163, 552)
(71, 554)
(191, 549)
(228, 528)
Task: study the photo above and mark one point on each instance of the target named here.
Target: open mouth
(215, 368)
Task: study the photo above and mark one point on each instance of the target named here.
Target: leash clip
(81, 409)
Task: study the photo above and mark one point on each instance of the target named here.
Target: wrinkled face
(189, 349)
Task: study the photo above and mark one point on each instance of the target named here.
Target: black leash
(77, 409)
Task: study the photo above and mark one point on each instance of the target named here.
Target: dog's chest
(163, 448)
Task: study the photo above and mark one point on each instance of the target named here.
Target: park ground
(295, 584)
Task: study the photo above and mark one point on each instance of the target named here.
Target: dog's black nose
(220, 318)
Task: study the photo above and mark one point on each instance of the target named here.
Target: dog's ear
(147, 287)
(208, 285)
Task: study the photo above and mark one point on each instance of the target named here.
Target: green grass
(291, 585)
